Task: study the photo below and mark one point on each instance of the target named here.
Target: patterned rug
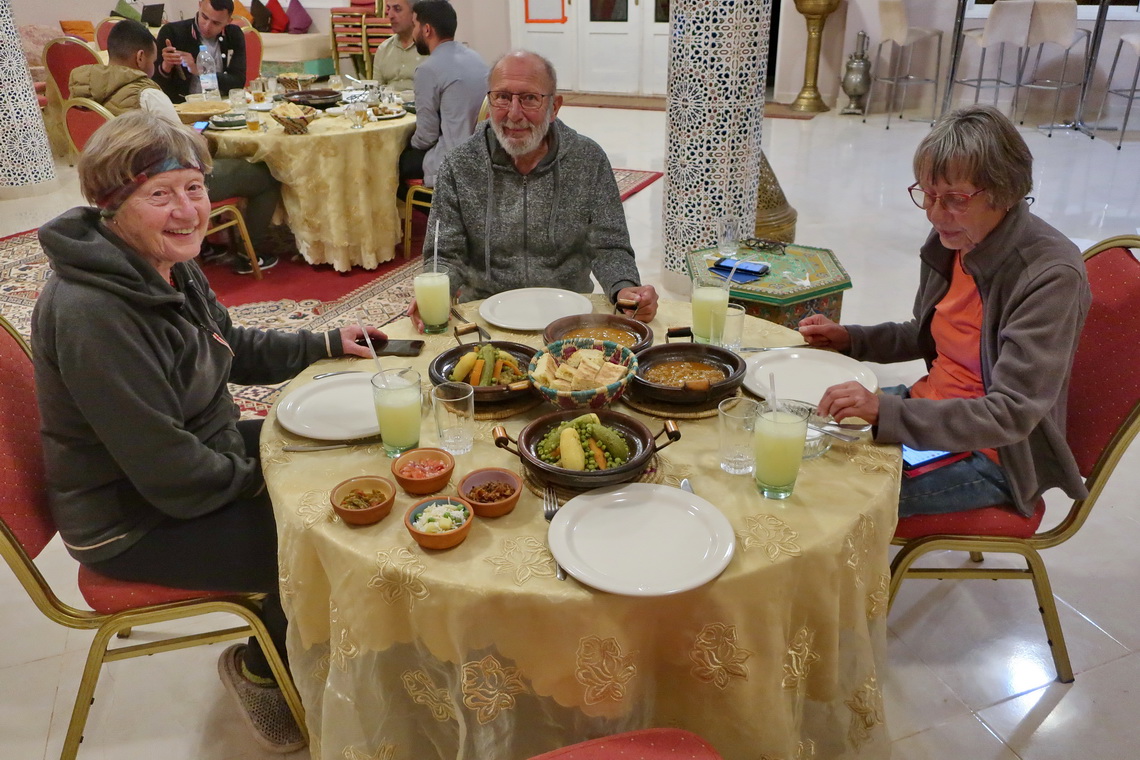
(631, 181)
(24, 270)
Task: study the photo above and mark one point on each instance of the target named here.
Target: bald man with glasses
(529, 202)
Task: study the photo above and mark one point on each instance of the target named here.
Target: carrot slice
(599, 455)
(498, 370)
(476, 372)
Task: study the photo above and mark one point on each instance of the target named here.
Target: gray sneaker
(263, 707)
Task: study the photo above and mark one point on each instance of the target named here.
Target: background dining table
(338, 184)
(480, 652)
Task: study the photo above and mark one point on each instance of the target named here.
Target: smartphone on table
(395, 347)
(918, 461)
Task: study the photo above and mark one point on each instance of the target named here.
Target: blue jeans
(969, 483)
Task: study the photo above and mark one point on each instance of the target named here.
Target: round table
(478, 651)
(338, 184)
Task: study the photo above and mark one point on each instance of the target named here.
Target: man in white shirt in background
(450, 87)
(397, 58)
(125, 84)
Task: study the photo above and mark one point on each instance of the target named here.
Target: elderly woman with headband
(1001, 300)
(151, 476)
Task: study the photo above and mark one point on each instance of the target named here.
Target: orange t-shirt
(957, 332)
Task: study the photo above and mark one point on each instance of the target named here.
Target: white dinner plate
(533, 308)
(266, 106)
(804, 373)
(337, 408)
(227, 127)
(639, 539)
(335, 111)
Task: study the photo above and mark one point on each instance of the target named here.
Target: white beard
(520, 146)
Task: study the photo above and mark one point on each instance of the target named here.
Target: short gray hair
(977, 144)
(127, 145)
(545, 62)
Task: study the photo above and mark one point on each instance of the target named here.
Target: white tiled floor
(970, 674)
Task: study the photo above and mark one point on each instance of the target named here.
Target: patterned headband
(113, 201)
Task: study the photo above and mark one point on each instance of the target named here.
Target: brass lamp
(815, 12)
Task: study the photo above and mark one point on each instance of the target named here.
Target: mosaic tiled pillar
(717, 64)
(25, 158)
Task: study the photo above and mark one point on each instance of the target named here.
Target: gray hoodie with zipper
(138, 424)
(500, 230)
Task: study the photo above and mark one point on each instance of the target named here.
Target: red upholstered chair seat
(650, 744)
(998, 520)
(109, 595)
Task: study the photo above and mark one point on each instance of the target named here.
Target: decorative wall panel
(25, 157)
(718, 56)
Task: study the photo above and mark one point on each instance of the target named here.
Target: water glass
(433, 296)
(710, 305)
(237, 100)
(733, 327)
(737, 418)
(336, 82)
(454, 407)
(396, 393)
(727, 235)
(778, 443)
(356, 113)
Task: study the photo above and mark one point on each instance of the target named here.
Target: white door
(606, 46)
(655, 48)
(556, 41)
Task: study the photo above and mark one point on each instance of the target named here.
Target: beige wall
(485, 26)
(49, 12)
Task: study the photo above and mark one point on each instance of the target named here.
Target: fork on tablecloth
(549, 509)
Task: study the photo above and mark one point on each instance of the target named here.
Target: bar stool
(1008, 24)
(1133, 41)
(1054, 21)
(893, 28)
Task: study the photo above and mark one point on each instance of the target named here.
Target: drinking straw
(435, 249)
(773, 399)
(371, 350)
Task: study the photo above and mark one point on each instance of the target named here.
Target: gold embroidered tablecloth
(338, 184)
(479, 652)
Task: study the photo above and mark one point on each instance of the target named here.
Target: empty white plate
(640, 539)
(337, 408)
(533, 308)
(805, 373)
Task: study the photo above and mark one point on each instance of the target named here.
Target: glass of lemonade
(433, 296)
(778, 441)
(396, 393)
(710, 305)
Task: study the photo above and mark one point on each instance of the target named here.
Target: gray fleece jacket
(500, 230)
(1035, 296)
(138, 424)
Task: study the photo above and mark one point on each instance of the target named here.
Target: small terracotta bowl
(363, 483)
(423, 486)
(485, 475)
(438, 540)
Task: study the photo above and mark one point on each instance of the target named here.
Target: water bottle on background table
(208, 74)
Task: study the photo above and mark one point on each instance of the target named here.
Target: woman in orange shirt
(1001, 301)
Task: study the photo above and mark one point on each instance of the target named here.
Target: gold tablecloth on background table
(479, 652)
(338, 184)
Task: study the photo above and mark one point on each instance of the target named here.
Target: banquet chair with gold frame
(1103, 420)
(26, 527)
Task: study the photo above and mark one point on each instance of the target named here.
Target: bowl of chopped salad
(363, 500)
(439, 522)
(423, 471)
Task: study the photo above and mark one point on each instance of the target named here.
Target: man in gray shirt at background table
(450, 86)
